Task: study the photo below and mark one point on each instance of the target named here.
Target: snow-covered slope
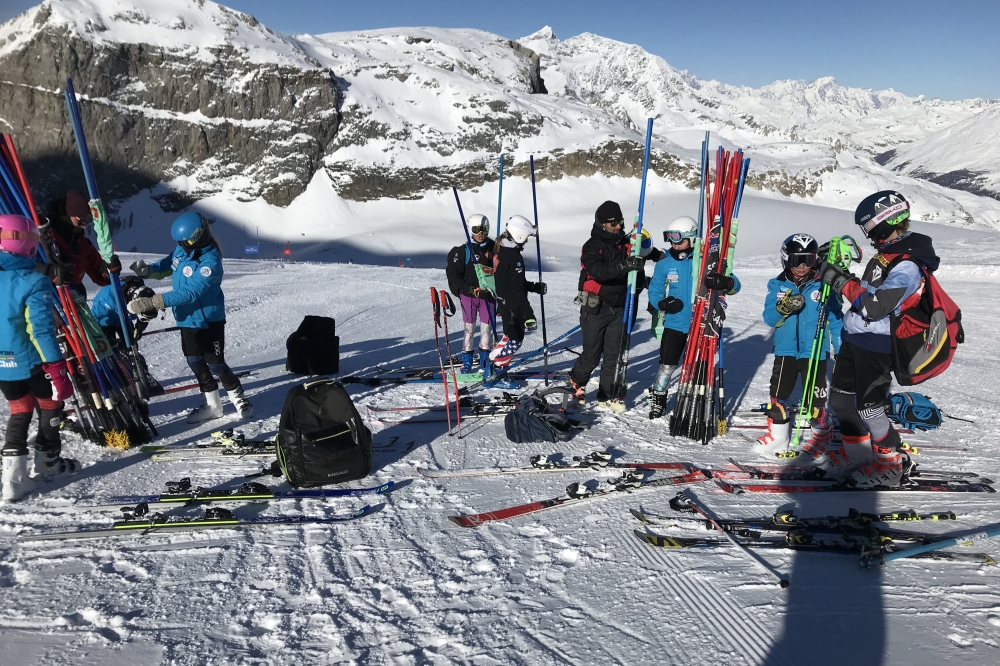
(965, 155)
(570, 585)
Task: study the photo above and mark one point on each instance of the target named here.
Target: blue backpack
(914, 411)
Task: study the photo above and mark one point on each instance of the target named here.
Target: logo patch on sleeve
(187, 272)
(205, 271)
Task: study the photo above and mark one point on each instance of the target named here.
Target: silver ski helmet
(479, 224)
(519, 229)
(680, 228)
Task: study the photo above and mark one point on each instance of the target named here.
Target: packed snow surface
(566, 586)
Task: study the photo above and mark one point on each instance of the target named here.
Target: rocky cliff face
(155, 114)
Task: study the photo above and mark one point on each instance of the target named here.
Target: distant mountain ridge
(190, 99)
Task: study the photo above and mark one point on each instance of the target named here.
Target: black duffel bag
(321, 437)
(314, 349)
(533, 419)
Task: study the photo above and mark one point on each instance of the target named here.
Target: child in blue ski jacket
(32, 370)
(195, 269)
(670, 292)
(792, 308)
(105, 309)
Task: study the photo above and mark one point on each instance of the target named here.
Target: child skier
(477, 302)
(512, 296)
(32, 370)
(792, 307)
(670, 292)
(105, 310)
(862, 376)
(199, 307)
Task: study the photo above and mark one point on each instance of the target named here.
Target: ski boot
(466, 362)
(657, 403)
(16, 481)
(240, 402)
(50, 464)
(885, 470)
(774, 439)
(494, 377)
(822, 428)
(210, 410)
(484, 359)
(839, 462)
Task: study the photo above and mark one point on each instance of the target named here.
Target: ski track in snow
(566, 586)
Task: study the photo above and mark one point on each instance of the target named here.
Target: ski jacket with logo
(512, 285)
(672, 277)
(461, 270)
(600, 261)
(890, 277)
(196, 278)
(795, 335)
(27, 325)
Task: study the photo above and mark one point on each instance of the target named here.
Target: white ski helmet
(520, 229)
(479, 224)
(679, 229)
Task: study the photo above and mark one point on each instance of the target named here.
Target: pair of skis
(137, 518)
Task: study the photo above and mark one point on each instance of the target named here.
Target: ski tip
(363, 511)
(641, 516)
(729, 487)
(429, 473)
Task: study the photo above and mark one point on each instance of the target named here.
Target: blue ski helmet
(190, 230)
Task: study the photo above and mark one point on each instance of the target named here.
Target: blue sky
(943, 48)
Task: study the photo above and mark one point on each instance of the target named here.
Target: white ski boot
(885, 470)
(16, 482)
(240, 402)
(616, 406)
(210, 410)
(48, 465)
(774, 440)
(840, 461)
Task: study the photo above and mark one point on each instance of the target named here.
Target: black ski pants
(602, 335)
(784, 376)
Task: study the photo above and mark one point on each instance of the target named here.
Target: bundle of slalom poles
(698, 409)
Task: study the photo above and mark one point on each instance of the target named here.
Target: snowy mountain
(965, 155)
(193, 102)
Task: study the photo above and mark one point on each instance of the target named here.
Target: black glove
(834, 275)
(530, 325)
(719, 281)
(140, 268)
(115, 265)
(56, 271)
(631, 264)
(645, 284)
(790, 303)
(671, 305)
(538, 288)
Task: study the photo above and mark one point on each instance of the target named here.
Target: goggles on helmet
(810, 259)
(675, 236)
(483, 228)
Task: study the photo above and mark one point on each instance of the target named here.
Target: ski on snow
(911, 485)
(591, 461)
(576, 493)
(180, 493)
(821, 546)
(139, 521)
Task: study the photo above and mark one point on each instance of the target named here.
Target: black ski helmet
(131, 286)
(879, 214)
(799, 249)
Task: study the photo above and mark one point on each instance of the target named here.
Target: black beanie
(609, 211)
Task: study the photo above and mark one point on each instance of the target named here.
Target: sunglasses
(615, 223)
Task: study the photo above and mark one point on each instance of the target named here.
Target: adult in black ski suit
(605, 264)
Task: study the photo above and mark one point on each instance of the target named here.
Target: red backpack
(926, 332)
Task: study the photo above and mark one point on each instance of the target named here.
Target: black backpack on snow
(321, 437)
(535, 420)
(314, 349)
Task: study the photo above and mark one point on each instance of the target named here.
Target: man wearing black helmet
(466, 263)
(862, 373)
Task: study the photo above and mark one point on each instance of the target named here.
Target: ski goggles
(810, 259)
(675, 236)
(480, 229)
